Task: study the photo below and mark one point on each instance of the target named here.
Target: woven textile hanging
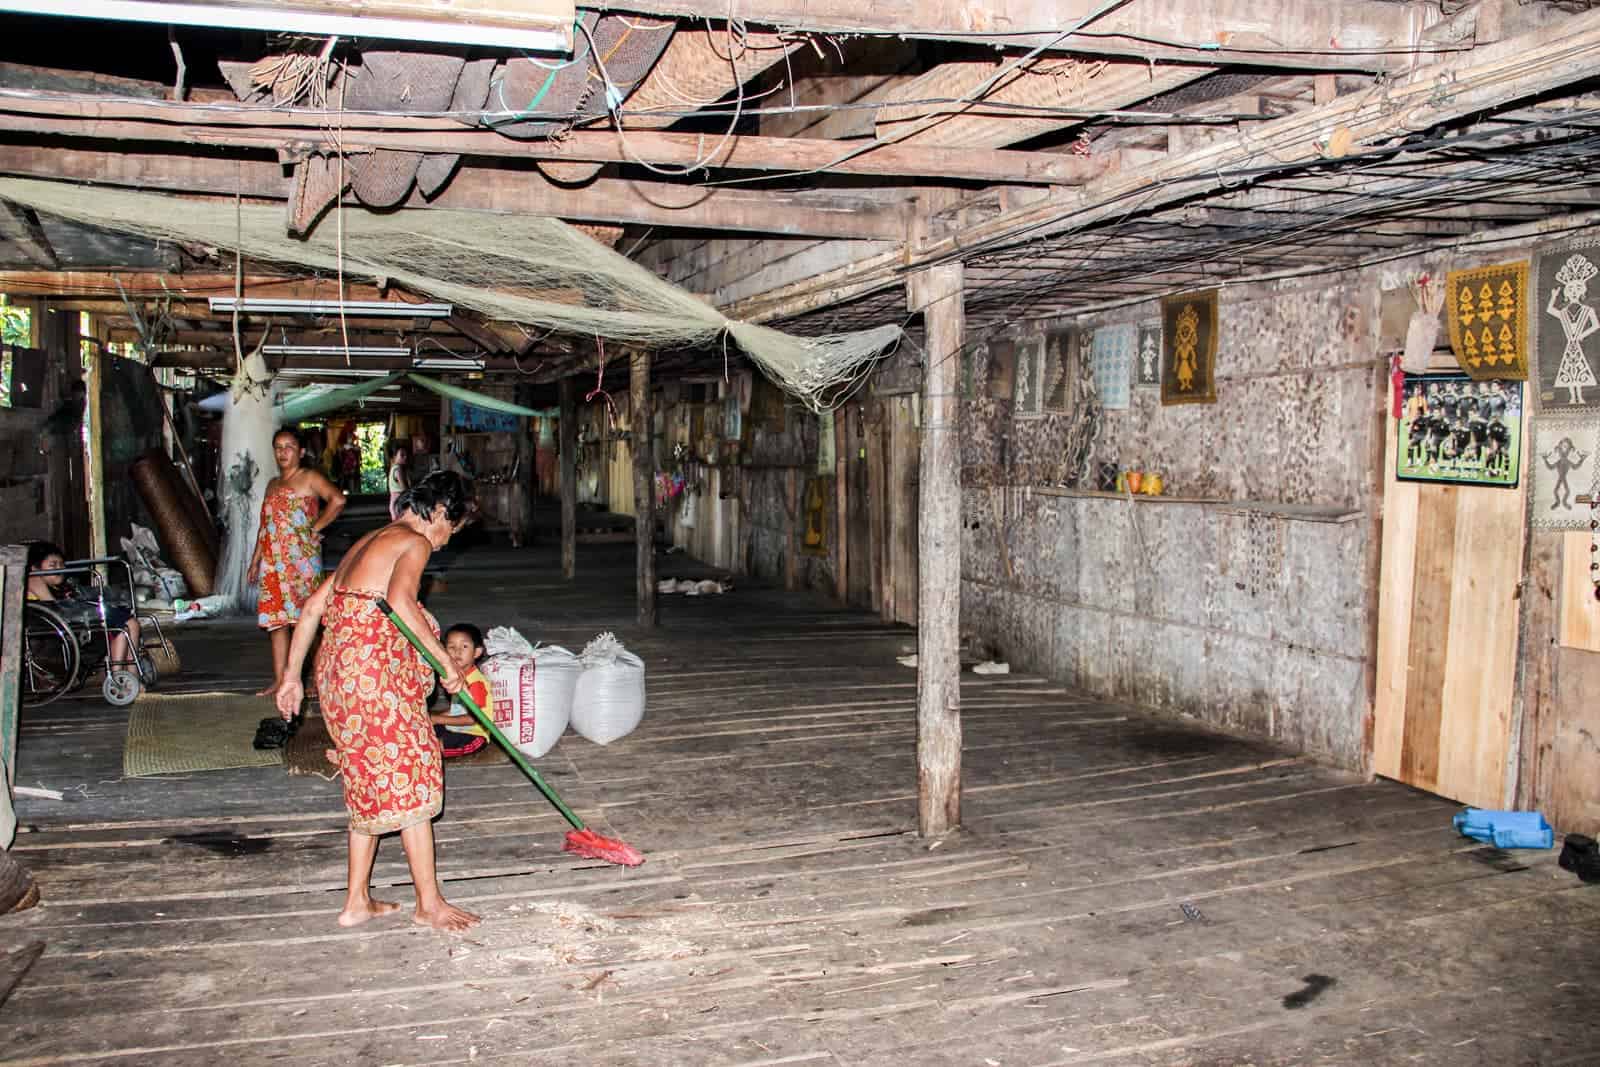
(1487, 311)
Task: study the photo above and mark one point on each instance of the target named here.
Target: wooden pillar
(841, 505)
(791, 505)
(938, 292)
(644, 489)
(93, 445)
(525, 487)
(569, 478)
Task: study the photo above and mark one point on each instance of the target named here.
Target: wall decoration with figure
(1189, 348)
(1567, 335)
(1566, 458)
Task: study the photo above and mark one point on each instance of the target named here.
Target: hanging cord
(600, 383)
(614, 98)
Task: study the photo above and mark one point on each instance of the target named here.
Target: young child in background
(459, 733)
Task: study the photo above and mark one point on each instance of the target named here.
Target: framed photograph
(1028, 398)
(1460, 431)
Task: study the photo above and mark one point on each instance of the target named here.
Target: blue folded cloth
(1506, 829)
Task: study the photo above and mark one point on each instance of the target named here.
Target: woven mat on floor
(183, 732)
(304, 754)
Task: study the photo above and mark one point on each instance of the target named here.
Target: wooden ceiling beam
(1328, 35)
(497, 190)
(180, 124)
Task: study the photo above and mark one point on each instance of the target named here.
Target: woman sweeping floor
(288, 556)
(374, 691)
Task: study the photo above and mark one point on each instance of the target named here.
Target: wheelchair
(65, 641)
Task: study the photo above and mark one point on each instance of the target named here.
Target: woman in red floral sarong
(288, 556)
(374, 689)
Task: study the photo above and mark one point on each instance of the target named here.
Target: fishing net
(521, 268)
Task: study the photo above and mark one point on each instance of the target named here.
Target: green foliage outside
(370, 438)
(16, 328)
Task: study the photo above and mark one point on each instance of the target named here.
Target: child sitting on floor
(459, 733)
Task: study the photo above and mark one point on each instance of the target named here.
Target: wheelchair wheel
(49, 655)
(121, 687)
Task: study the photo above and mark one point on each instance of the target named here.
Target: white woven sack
(609, 702)
(533, 696)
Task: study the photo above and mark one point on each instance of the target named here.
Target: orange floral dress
(374, 690)
(291, 556)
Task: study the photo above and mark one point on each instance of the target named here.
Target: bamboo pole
(569, 478)
(644, 503)
(939, 558)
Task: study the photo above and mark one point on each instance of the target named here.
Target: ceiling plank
(1072, 86)
(682, 150)
(1328, 35)
(499, 190)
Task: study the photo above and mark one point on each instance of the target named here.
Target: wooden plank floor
(1126, 889)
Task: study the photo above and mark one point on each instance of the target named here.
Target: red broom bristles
(593, 846)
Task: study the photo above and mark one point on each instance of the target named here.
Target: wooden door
(1447, 635)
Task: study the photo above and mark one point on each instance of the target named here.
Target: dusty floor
(1127, 890)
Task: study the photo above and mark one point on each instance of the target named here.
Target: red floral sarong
(374, 690)
(291, 556)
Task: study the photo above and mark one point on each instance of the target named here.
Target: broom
(581, 840)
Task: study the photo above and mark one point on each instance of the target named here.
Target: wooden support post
(93, 445)
(939, 293)
(791, 506)
(644, 490)
(841, 505)
(569, 478)
(523, 489)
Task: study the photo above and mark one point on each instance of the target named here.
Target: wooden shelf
(1300, 512)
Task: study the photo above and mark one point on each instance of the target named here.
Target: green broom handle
(483, 720)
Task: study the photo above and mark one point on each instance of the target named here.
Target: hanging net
(520, 268)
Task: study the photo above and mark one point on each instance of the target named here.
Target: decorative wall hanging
(1461, 431)
(1189, 348)
(1487, 311)
(826, 456)
(1028, 397)
(1111, 353)
(814, 509)
(1060, 370)
(1147, 361)
(1566, 332)
(1002, 368)
(1566, 457)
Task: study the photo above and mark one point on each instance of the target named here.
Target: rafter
(1331, 35)
(20, 227)
(499, 190)
(181, 125)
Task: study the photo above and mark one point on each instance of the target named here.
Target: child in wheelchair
(81, 609)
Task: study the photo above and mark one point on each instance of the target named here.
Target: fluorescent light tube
(447, 364)
(541, 26)
(333, 372)
(374, 351)
(266, 305)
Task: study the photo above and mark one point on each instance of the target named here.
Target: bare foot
(356, 915)
(447, 917)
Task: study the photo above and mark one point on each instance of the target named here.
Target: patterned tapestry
(1565, 351)
(1111, 357)
(1487, 310)
(1189, 348)
(1027, 398)
(1566, 455)
(1060, 369)
(1147, 365)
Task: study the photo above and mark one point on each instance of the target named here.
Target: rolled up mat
(183, 540)
(192, 505)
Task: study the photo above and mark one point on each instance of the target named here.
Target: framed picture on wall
(1460, 431)
(1028, 398)
(1060, 370)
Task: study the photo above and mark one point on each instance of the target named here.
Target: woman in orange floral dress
(374, 688)
(288, 556)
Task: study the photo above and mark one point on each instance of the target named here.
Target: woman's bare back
(371, 561)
